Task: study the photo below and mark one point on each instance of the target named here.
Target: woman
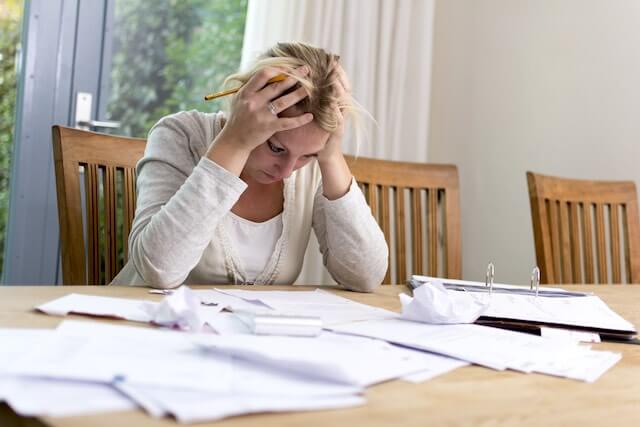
(232, 199)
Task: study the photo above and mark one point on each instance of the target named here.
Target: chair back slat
(110, 223)
(451, 223)
(432, 224)
(585, 230)
(576, 261)
(601, 251)
(555, 239)
(565, 239)
(587, 227)
(108, 165)
(416, 237)
(373, 200)
(93, 224)
(406, 203)
(401, 259)
(385, 220)
(614, 232)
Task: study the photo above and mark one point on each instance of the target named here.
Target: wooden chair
(417, 206)
(568, 213)
(96, 170)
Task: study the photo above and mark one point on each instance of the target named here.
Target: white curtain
(385, 48)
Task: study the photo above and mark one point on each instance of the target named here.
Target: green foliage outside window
(168, 54)
(10, 18)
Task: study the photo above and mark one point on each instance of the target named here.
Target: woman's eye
(273, 148)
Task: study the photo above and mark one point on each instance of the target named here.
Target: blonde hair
(319, 82)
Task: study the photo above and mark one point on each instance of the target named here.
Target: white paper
(439, 365)
(491, 347)
(331, 308)
(433, 303)
(121, 308)
(223, 300)
(98, 352)
(31, 397)
(181, 309)
(587, 311)
(331, 357)
(227, 324)
(15, 343)
(569, 335)
(582, 364)
(190, 407)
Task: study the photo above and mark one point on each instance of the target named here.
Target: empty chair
(96, 189)
(418, 208)
(585, 231)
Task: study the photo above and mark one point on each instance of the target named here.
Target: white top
(254, 242)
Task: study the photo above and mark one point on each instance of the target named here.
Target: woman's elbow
(153, 275)
(370, 276)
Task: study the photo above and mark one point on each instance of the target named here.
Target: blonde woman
(232, 198)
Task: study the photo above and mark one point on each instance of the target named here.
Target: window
(10, 28)
(168, 54)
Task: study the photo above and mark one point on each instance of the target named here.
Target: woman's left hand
(333, 147)
(336, 176)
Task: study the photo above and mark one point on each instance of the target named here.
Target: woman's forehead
(306, 139)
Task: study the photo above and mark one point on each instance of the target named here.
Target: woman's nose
(286, 167)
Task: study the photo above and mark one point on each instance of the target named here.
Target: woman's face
(285, 152)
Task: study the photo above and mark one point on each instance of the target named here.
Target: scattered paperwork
(492, 347)
(199, 373)
(342, 359)
(180, 309)
(189, 309)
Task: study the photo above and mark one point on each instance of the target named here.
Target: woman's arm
(180, 202)
(353, 247)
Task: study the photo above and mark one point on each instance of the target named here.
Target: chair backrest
(98, 171)
(568, 213)
(418, 208)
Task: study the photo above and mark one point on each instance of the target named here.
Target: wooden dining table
(473, 395)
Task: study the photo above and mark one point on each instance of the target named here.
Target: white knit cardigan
(178, 235)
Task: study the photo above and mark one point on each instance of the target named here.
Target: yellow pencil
(278, 78)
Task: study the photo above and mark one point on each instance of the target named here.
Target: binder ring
(535, 280)
(489, 277)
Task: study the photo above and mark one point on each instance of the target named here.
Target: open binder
(528, 309)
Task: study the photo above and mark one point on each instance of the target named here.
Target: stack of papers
(519, 307)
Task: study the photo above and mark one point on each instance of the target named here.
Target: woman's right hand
(252, 121)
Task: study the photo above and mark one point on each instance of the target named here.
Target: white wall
(543, 85)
